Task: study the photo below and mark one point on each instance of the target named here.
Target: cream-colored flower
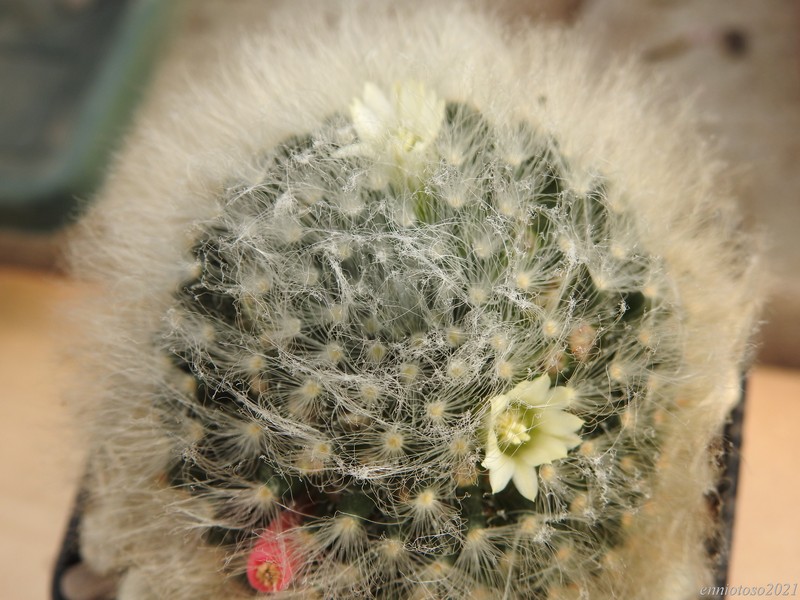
(528, 427)
(396, 132)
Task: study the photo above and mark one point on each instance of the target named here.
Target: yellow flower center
(511, 430)
(269, 574)
(403, 142)
(408, 139)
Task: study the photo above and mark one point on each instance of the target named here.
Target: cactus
(345, 347)
(420, 349)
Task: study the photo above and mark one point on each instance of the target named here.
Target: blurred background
(75, 73)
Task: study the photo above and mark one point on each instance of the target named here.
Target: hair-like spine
(419, 310)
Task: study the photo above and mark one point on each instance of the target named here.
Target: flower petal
(492, 449)
(499, 404)
(367, 124)
(541, 450)
(560, 397)
(533, 393)
(419, 110)
(378, 103)
(500, 472)
(526, 481)
(558, 423)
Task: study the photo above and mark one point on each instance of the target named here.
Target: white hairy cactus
(421, 310)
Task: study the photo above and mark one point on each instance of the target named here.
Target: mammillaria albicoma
(412, 314)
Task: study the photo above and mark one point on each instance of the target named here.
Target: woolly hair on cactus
(423, 309)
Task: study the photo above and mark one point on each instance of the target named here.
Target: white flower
(527, 428)
(397, 132)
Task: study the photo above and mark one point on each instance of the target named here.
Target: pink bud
(273, 561)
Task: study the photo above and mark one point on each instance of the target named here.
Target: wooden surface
(40, 459)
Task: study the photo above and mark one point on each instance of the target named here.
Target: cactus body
(424, 343)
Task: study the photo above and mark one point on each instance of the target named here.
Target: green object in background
(70, 73)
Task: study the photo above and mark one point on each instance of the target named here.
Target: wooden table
(40, 459)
